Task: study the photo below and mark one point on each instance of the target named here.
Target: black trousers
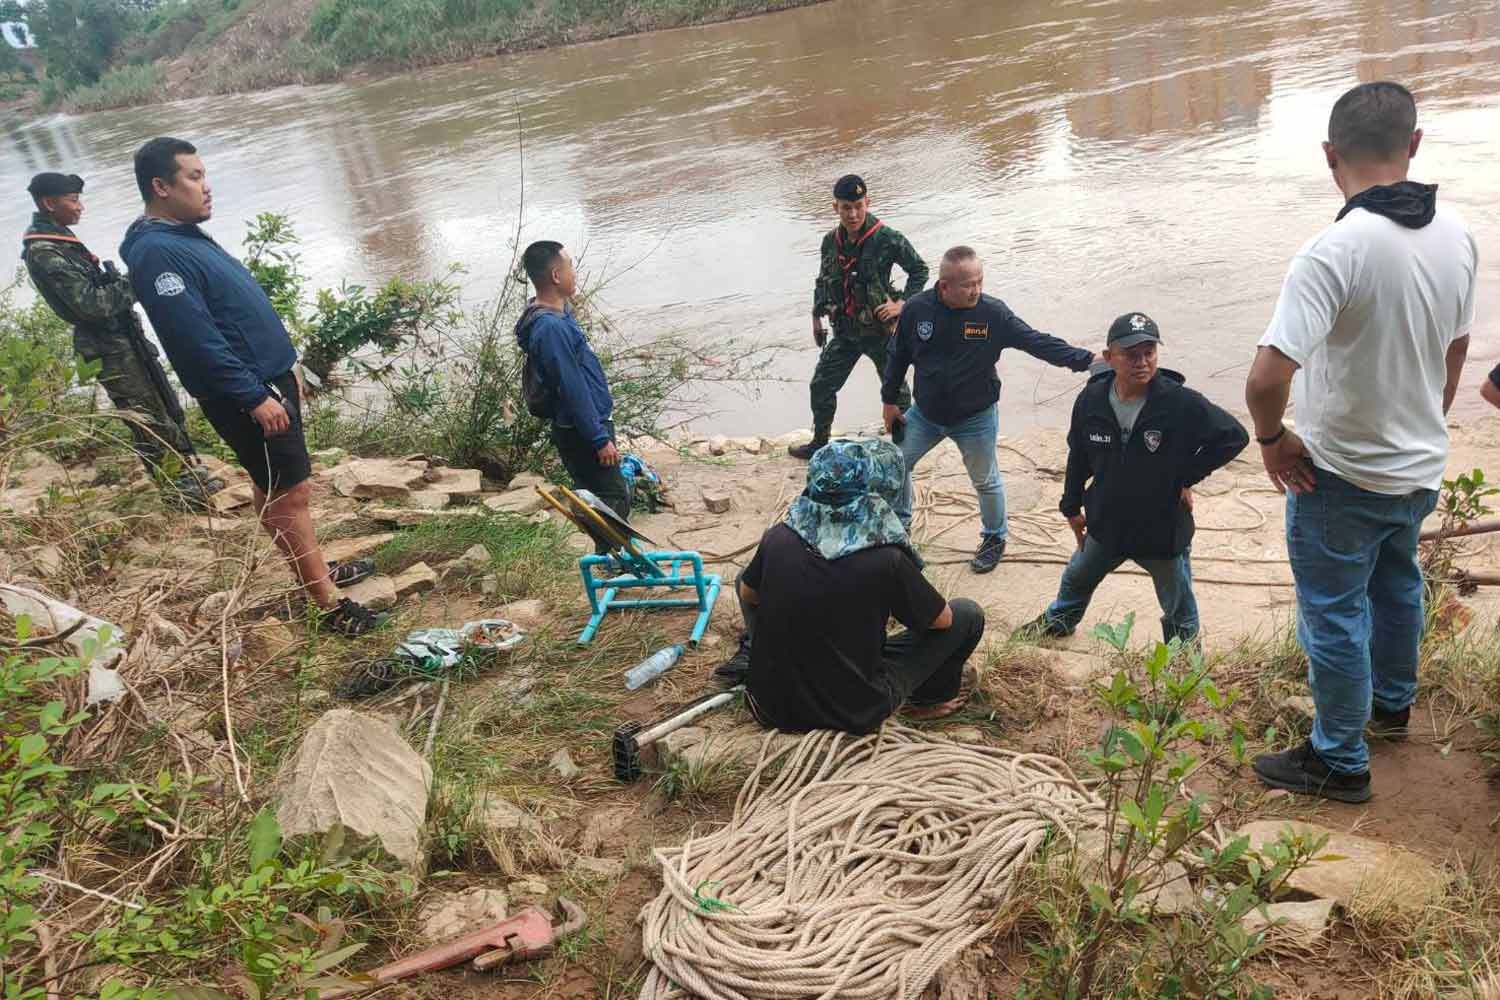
(922, 667)
(581, 459)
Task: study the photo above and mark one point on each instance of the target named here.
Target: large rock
(1298, 925)
(458, 482)
(529, 615)
(405, 517)
(716, 501)
(378, 593)
(416, 579)
(1367, 872)
(718, 444)
(232, 497)
(357, 771)
(430, 499)
(447, 915)
(368, 478)
(522, 501)
(749, 445)
(355, 548)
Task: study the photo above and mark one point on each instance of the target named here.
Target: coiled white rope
(853, 867)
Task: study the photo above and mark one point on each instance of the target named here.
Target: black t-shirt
(815, 662)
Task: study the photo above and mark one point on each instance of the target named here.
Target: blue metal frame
(630, 570)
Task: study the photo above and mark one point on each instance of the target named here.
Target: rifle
(136, 334)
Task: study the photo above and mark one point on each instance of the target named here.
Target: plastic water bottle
(653, 666)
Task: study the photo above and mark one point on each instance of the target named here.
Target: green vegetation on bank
(96, 54)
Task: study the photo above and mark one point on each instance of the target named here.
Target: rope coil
(854, 867)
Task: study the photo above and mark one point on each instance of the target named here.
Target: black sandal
(348, 572)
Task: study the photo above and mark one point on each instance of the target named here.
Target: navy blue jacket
(955, 352)
(1133, 500)
(565, 362)
(218, 327)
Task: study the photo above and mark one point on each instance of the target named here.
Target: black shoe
(988, 556)
(736, 669)
(1301, 770)
(1042, 627)
(807, 451)
(191, 490)
(348, 572)
(1391, 726)
(351, 620)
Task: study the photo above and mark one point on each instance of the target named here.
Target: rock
(606, 828)
(1076, 669)
(496, 815)
(357, 771)
(369, 478)
(530, 615)
(1295, 925)
(718, 444)
(47, 561)
(1370, 873)
(429, 499)
(405, 517)
(273, 636)
(717, 501)
(793, 439)
(377, 593)
(529, 892)
(749, 445)
(450, 915)
(213, 605)
(1300, 707)
(416, 579)
(218, 525)
(489, 585)
(474, 555)
(1166, 889)
(964, 734)
(232, 498)
(540, 517)
(525, 481)
(605, 868)
(562, 763)
(522, 501)
(355, 548)
(459, 482)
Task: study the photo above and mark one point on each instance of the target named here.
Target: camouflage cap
(850, 187)
(51, 185)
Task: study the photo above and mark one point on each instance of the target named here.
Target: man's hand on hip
(888, 310)
(609, 455)
(1288, 464)
(820, 332)
(1080, 528)
(272, 418)
(893, 416)
(1187, 499)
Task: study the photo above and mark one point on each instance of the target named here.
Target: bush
(118, 88)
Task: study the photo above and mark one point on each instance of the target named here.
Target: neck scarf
(846, 507)
(1407, 203)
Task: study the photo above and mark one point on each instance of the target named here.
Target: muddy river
(1103, 155)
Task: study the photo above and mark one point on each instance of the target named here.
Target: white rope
(853, 867)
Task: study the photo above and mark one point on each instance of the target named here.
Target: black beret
(51, 185)
(850, 187)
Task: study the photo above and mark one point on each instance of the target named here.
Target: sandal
(350, 619)
(348, 572)
(931, 711)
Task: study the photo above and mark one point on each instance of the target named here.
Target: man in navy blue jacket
(235, 358)
(953, 334)
(566, 366)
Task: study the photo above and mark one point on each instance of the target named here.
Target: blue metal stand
(631, 570)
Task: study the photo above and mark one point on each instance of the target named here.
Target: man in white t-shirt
(1369, 336)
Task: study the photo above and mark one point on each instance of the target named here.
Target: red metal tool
(527, 935)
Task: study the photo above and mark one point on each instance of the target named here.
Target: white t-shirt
(1368, 310)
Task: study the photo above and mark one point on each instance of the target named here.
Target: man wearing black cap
(1144, 439)
(98, 302)
(854, 288)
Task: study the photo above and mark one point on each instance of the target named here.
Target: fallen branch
(1461, 530)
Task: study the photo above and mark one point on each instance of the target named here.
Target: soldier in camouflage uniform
(99, 303)
(854, 289)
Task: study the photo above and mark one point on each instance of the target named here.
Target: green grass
(123, 86)
(527, 558)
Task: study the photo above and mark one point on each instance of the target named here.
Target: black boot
(1301, 770)
(736, 669)
(807, 451)
(190, 490)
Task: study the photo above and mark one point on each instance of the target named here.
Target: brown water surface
(1103, 155)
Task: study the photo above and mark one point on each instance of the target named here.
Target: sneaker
(348, 572)
(350, 619)
(1386, 725)
(988, 556)
(736, 669)
(807, 451)
(1301, 770)
(1042, 627)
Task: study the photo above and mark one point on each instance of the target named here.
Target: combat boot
(191, 490)
(807, 451)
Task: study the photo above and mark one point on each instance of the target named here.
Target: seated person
(1141, 440)
(820, 592)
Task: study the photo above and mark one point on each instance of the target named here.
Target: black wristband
(1267, 442)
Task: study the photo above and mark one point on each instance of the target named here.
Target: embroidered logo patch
(1102, 438)
(1138, 323)
(924, 330)
(168, 283)
(1153, 440)
(976, 331)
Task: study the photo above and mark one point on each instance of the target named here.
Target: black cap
(51, 185)
(850, 187)
(1132, 329)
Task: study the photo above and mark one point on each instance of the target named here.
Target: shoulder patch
(169, 283)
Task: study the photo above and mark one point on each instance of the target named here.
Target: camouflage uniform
(853, 279)
(106, 330)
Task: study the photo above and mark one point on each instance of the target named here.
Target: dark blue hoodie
(565, 361)
(219, 329)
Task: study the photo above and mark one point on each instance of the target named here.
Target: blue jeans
(975, 437)
(1092, 563)
(1359, 607)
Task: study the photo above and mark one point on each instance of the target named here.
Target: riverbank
(271, 43)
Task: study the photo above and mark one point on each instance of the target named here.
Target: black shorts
(274, 463)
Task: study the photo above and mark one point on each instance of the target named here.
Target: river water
(1103, 155)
